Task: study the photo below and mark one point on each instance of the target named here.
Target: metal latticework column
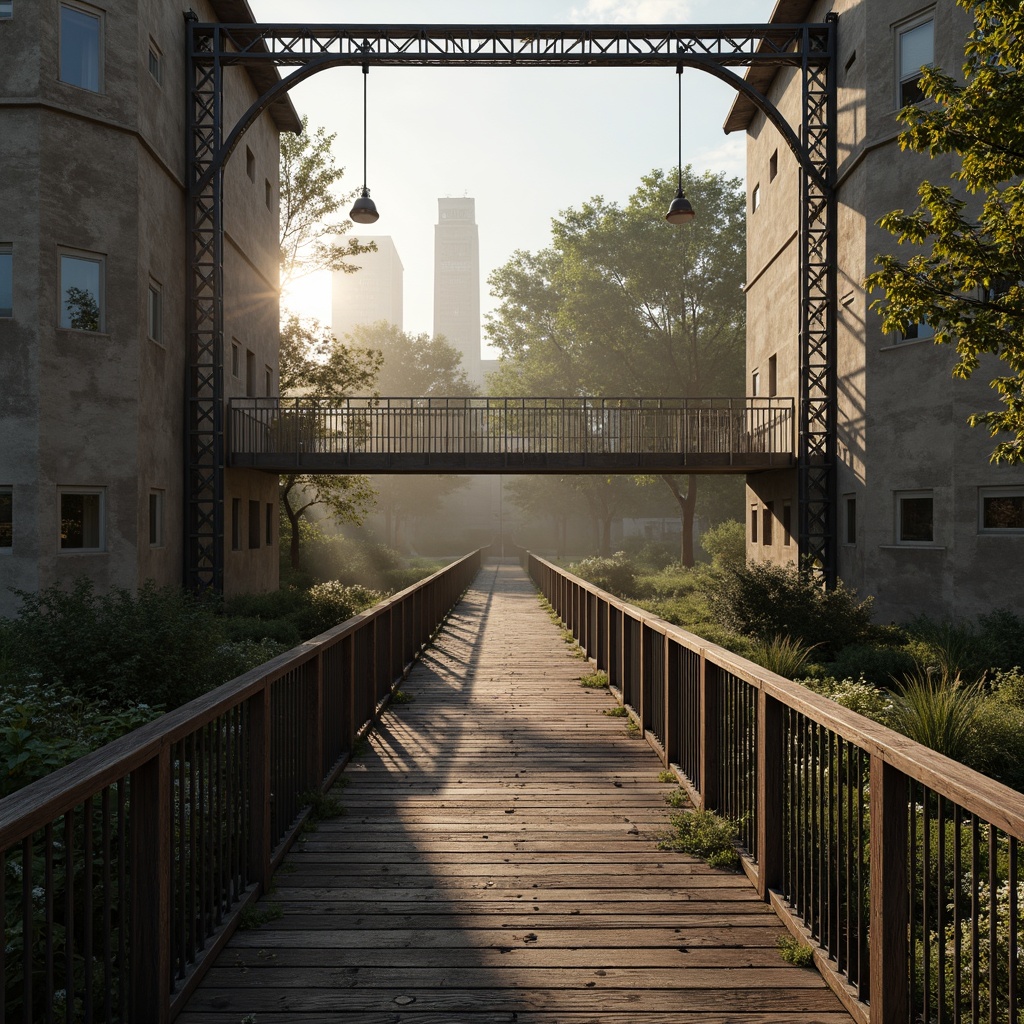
(816, 447)
(204, 456)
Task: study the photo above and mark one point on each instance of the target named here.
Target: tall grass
(784, 655)
(940, 711)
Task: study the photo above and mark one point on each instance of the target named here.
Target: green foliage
(949, 648)
(726, 543)
(764, 600)
(619, 711)
(677, 798)
(595, 680)
(667, 775)
(940, 711)
(333, 602)
(633, 729)
(257, 914)
(309, 197)
(44, 726)
(83, 310)
(706, 835)
(783, 655)
(856, 695)
(158, 646)
(966, 272)
(1001, 637)
(615, 574)
(878, 665)
(795, 952)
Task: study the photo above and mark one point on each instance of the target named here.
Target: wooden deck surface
(498, 862)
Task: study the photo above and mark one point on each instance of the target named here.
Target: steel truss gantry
(809, 49)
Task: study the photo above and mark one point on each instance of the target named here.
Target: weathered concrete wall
(104, 173)
(902, 419)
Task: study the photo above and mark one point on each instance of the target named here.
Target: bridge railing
(537, 426)
(123, 874)
(900, 866)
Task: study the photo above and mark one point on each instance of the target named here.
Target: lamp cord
(366, 74)
(679, 122)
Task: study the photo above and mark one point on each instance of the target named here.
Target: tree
(309, 179)
(314, 365)
(622, 305)
(413, 366)
(965, 280)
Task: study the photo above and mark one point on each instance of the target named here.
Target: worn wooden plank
(498, 861)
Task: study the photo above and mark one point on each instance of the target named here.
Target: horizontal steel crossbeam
(497, 45)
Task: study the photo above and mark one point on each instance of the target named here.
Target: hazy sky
(525, 143)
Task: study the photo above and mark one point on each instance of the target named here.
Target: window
(773, 376)
(81, 292)
(755, 383)
(156, 519)
(268, 194)
(917, 332)
(916, 50)
(6, 518)
(254, 524)
(81, 519)
(6, 281)
(753, 524)
(236, 524)
(914, 523)
(767, 518)
(81, 30)
(850, 507)
(250, 373)
(773, 166)
(156, 62)
(268, 380)
(250, 164)
(236, 359)
(787, 524)
(755, 198)
(154, 312)
(270, 524)
(1000, 509)
(6, 9)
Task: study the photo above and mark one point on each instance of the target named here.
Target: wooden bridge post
(315, 769)
(672, 740)
(770, 848)
(151, 845)
(890, 898)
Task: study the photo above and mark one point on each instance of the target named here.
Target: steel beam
(718, 49)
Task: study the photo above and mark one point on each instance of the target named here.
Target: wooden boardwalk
(498, 863)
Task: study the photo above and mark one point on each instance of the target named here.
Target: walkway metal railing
(303, 432)
(899, 865)
(123, 874)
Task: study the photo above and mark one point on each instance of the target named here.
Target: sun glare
(309, 296)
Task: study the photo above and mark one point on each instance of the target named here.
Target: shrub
(615, 574)
(947, 648)
(671, 581)
(705, 835)
(1001, 636)
(726, 543)
(334, 602)
(877, 665)
(795, 952)
(782, 654)
(649, 555)
(940, 711)
(854, 694)
(765, 600)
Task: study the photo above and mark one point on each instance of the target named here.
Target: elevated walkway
(498, 862)
(511, 435)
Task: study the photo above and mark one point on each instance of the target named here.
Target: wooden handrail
(151, 791)
(912, 802)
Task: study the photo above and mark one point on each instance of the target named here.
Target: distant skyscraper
(372, 293)
(457, 280)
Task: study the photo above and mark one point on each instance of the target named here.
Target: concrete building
(374, 292)
(457, 281)
(926, 523)
(93, 304)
